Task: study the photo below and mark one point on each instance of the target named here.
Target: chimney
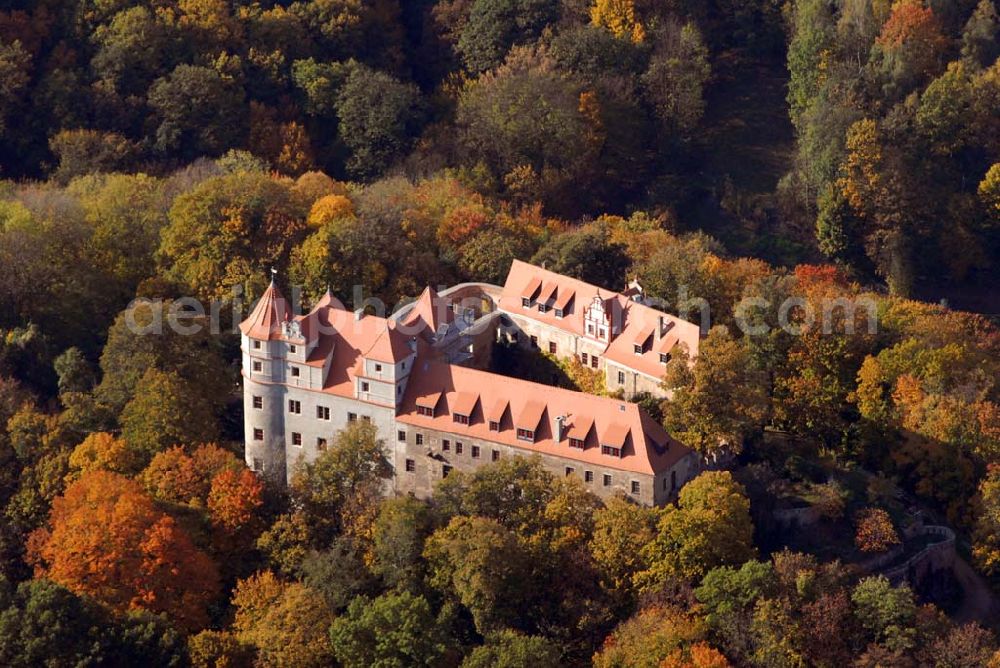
(359, 314)
(557, 427)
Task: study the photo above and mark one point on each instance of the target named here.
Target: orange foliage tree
(875, 532)
(107, 539)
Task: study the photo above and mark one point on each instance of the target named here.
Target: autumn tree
(719, 400)
(986, 534)
(509, 649)
(650, 637)
(102, 451)
(621, 530)
(709, 527)
(401, 529)
(287, 623)
(619, 17)
(106, 539)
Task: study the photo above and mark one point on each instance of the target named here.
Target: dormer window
(559, 313)
(576, 443)
(526, 302)
(611, 451)
(494, 425)
(425, 411)
(664, 358)
(637, 348)
(526, 435)
(459, 418)
(543, 308)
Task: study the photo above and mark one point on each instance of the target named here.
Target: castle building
(414, 376)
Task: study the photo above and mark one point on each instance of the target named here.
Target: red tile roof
(633, 319)
(429, 312)
(264, 322)
(646, 447)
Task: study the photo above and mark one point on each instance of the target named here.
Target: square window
(664, 358)
(258, 402)
(256, 345)
(525, 301)
(552, 347)
(494, 425)
(475, 452)
(295, 372)
(323, 412)
(366, 418)
(365, 387)
(637, 348)
(321, 444)
(258, 434)
(496, 455)
(445, 470)
(296, 438)
(635, 486)
(559, 313)
(458, 447)
(294, 406)
(256, 366)
(445, 444)
(607, 480)
(411, 466)
(378, 368)
(352, 417)
(569, 470)
(588, 476)
(420, 439)
(401, 435)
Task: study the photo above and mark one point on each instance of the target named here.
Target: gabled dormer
(597, 320)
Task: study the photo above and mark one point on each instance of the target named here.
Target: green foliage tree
(676, 78)
(709, 527)
(401, 529)
(395, 629)
(509, 649)
(14, 65)
(589, 254)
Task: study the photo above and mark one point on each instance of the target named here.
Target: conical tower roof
(265, 320)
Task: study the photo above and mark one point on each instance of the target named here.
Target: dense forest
(807, 149)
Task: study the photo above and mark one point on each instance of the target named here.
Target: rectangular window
(401, 435)
(588, 476)
(366, 418)
(258, 402)
(593, 361)
(321, 444)
(526, 435)
(576, 443)
(637, 348)
(552, 347)
(352, 417)
(607, 480)
(494, 425)
(296, 438)
(411, 466)
(496, 456)
(258, 465)
(365, 386)
(583, 358)
(635, 486)
(445, 470)
(420, 439)
(427, 412)
(292, 348)
(445, 444)
(458, 447)
(459, 418)
(258, 434)
(256, 345)
(322, 412)
(569, 470)
(295, 372)
(621, 377)
(608, 450)
(475, 452)
(256, 366)
(294, 406)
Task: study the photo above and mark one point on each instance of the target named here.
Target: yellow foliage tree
(103, 452)
(328, 209)
(619, 17)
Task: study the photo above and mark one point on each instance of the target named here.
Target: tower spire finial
(274, 275)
